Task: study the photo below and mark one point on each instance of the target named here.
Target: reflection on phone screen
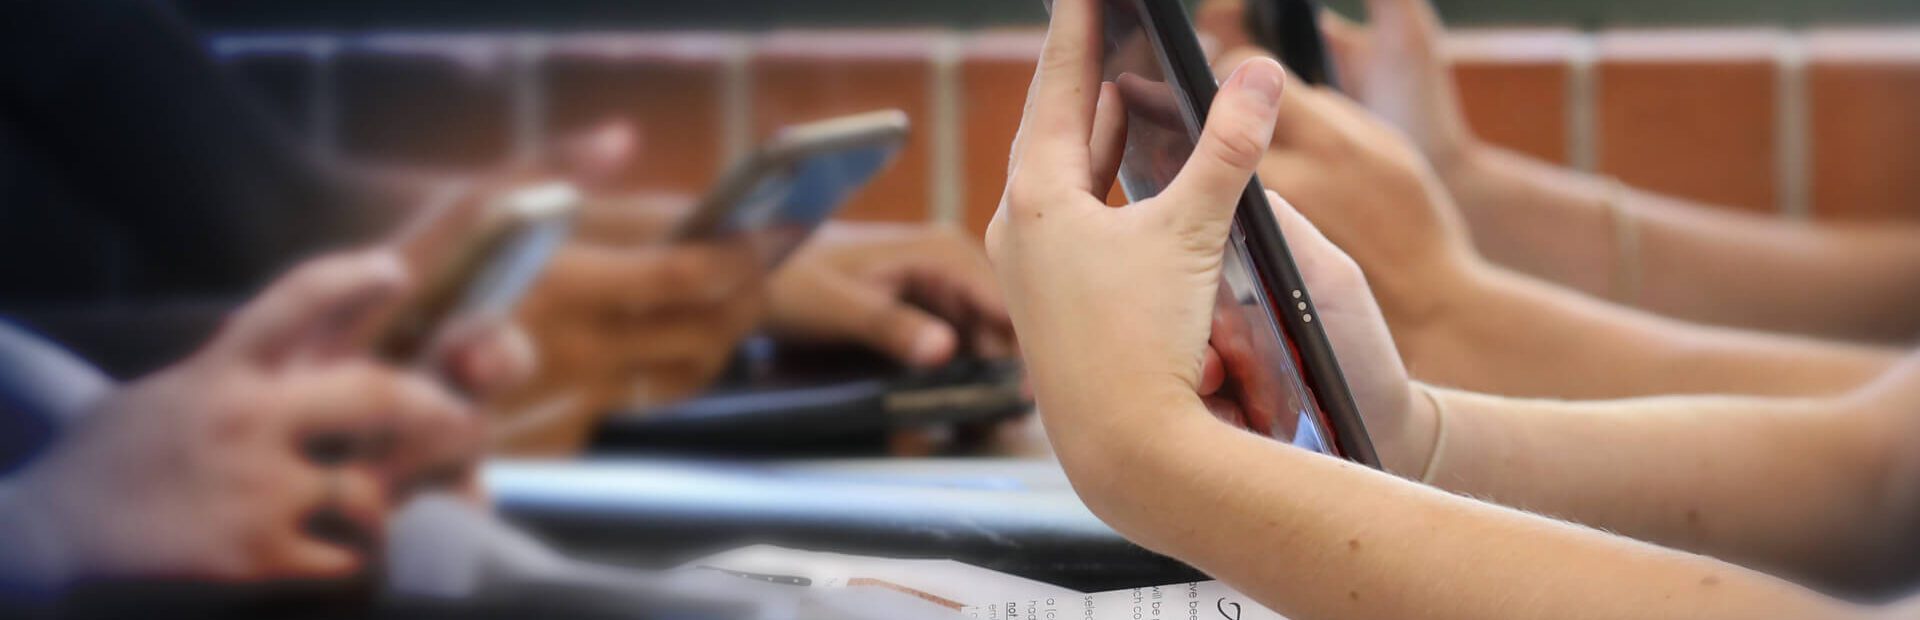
(1264, 381)
(784, 208)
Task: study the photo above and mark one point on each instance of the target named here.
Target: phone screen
(785, 205)
(1265, 385)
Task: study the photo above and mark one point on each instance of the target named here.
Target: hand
(620, 316)
(1364, 185)
(1398, 66)
(1114, 306)
(918, 294)
(274, 453)
(1108, 334)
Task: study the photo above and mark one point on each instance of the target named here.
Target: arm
(1315, 537)
(1116, 345)
(1694, 262)
(1466, 323)
(1487, 329)
(1808, 487)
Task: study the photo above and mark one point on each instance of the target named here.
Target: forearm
(1690, 261)
(1489, 330)
(1804, 486)
(1313, 537)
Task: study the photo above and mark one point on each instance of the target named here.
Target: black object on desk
(821, 402)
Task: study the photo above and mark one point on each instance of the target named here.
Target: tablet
(784, 190)
(1282, 375)
(1291, 30)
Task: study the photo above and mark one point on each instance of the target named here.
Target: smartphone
(477, 252)
(1282, 375)
(1291, 30)
(788, 187)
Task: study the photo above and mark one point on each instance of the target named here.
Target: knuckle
(1022, 196)
(1239, 149)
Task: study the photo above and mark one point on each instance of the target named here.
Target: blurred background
(1797, 107)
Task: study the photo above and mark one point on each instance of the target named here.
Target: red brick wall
(1824, 123)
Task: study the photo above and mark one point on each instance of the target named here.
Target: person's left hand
(1115, 306)
(918, 294)
(276, 452)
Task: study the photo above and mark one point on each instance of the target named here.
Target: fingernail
(387, 266)
(930, 347)
(1260, 78)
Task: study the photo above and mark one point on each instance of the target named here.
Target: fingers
(330, 535)
(1239, 127)
(1225, 20)
(1351, 51)
(1213, 372)
(488, 357)
(403, 422)
(1230, 60)
(631, 219)
(596, 156)
(317, 305)
(1409, 21)
(1054, 133)
(1109, 137)
(1322, 264)
(640, 281)
(879, 319)
(911, 335)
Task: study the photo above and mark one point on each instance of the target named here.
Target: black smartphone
(785, 189)
(1291, 30)
(1282, 374)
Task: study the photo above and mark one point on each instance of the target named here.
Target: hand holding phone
(777, 196)
(1281, 369)
(475, 253)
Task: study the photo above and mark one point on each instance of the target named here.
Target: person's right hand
(1116, 342)
(620, 317)
(1397, 65)
(275, 452)
(1368, 189)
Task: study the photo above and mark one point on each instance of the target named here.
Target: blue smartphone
(788, 187)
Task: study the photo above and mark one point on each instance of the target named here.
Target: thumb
(598, 155)
(1238, 130)
(910, 335)
(875, 316)
(325, 299)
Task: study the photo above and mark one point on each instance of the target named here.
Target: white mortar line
(736, 101)
(529, 99)
(1583, 93)
(946, 187)
(1792, 134)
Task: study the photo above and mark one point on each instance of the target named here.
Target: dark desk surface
(1013, 516)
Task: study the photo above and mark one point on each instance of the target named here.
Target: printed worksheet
(1203, 600)
(983, 594)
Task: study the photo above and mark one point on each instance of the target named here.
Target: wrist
(1436, 325)
(1462, 165)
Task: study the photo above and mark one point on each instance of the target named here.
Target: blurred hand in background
(276, 452)
(919, 294)
(622, 317)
